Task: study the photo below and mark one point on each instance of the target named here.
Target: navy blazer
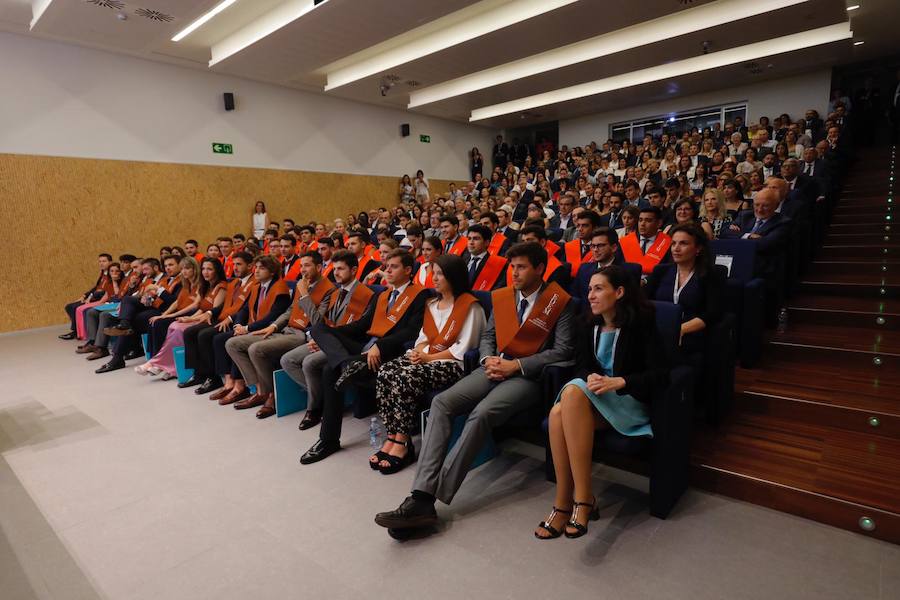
(700, 298)
(585, 272)
(774, 236)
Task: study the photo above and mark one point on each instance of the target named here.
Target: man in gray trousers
(305, 363)
(257, 354)
(531, 327)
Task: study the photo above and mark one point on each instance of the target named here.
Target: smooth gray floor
(119, 486)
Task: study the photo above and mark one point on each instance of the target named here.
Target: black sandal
(546, 526)
(381, 455)
(578, 527)
(396, 463)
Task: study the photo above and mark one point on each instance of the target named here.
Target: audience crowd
(459, 300)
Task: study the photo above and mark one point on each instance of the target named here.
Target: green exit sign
(219, 148)
(425, 139)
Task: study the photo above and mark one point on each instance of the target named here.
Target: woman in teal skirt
(620, 365)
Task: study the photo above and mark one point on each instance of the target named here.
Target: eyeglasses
(599, 246)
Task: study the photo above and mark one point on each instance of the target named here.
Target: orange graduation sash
(168, 287)
(438, 341)
(185, 297)
(552, 265)
(459, 246)
(489, 274)
(359, 300)
(361, 268)
(429, 276)
(631, 249)
(327, 270)
(552, 247)
(228, 262)
(276, 288)
(384, 319)
(293, 273)
(518, 341)
(299, 319)
(235, 296)
(574, 256)
(207, 302)
(496, 244)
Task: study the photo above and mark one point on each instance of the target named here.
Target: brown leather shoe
(251, 402)
(265, 412)
(86, 349)
(221, 393)
(98, 354)
(234, 396)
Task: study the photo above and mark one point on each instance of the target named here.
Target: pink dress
(80, 324)
(164, 359)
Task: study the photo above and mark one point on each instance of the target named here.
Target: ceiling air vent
(113, 4)
(153, 15)
(413, 83)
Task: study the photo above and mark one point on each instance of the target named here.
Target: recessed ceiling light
(476, 20)
(203, 19)
(858, 43)
(853, 7)
(741, 54)
(680, 23)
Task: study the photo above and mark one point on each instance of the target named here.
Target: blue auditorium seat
(744, 295)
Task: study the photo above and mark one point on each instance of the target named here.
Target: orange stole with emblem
(359, 300)
(207, 302)
(518, 341)
(299, 319)
(293, 273)
(168, 287)
(185, 297)
(459, 246)
(366, 259)
(276, 288)
(235, 296)
(438, 341)
(384, 319)
(574, 256)
(631, 250)
(489, 274)
(496, 244)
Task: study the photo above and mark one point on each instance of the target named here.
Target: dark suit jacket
(394, 343)
(585, 272)
(639, 357)
(555, 223)
(511, 235)
(775, 234)
(501, 278)
(700, 298)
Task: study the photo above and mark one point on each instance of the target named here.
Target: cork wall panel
(64, 211)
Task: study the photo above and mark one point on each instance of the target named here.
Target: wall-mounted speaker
(229, 100)
(404, 130)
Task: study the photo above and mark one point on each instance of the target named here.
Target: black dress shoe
(67, 336)
(210, 385)
(411, 514)
(133, 354)
(320, 450)
(113, 365)
(310, 419)
(190, 382)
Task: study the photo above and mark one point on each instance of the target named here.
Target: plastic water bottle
(782, 320)
(375, 433)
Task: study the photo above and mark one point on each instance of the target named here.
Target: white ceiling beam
(38, 8)
(677, 24)
(456, 28)
(282, 15)
(781, 45)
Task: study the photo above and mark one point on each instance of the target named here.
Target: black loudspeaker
(404, 130)
(229, 100)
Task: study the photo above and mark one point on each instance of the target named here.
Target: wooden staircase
(815, 430)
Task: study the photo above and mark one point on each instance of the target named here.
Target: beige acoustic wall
(57, 214)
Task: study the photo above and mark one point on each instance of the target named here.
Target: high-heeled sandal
(546, 526)
(381, 455)
(578, 527)
(397, 463)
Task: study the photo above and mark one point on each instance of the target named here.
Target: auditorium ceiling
(498, 63)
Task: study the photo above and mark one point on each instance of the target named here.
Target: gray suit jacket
(316, 314)
(558, 348)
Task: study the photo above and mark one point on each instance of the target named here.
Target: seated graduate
(431, 249)
(647, 246)
(269, 298)
(620, 364)
(326, 248)
(604, 252)
(258, 354)
(454, 243)
(89, 297)
(135, 314)
(356, 244)
(577, 251)
(499, 242)
(199, 338)
(385, 247)
(691, 282)
(290, 262)
(531, 327)
(556, 271)
(150, 274)
(209, 296)
(185, 304)
(486, 272)
(111, 292)
(349, 303)
(357, 350)
(213, 251)
(452, 326)
(125, 285)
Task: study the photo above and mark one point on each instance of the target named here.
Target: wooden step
(862, 211)
(880, 238)
(832, 475)
(832, 251)
(849, 311)
(872, 352)
(851, 227)
(860, 265)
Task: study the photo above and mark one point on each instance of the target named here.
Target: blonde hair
(188, 261)
(720, 202)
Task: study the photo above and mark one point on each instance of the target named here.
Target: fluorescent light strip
(199, 22)
(788, 43)
(282, 15)
(669, 26)
(461, 26)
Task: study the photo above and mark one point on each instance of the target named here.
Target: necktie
(262, 295)
(473, 269)
(585, 248)
(612, 219)
(341, 297)
(808, 169)
(644, 243)
(392, 299)
(523, 306)
(756, 227)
